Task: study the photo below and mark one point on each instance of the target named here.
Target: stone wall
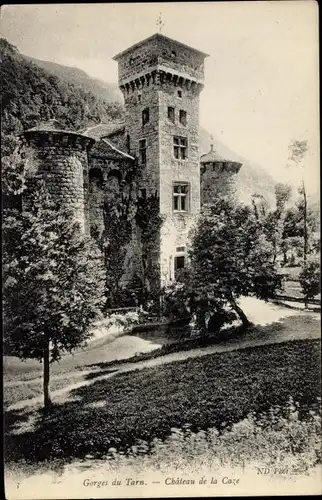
(111, 178)
(160, 51)
(176, 228)
(135, 102)
(108, 172)
(62, 161)
(218, 178)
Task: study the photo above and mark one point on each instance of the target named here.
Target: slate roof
(106, 148)
(158, 36)
(114, 148)
(103, 130)
(54, 126)
(213, 157)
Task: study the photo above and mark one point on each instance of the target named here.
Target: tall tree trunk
(47, 400)
(305, 246)
(245, 321)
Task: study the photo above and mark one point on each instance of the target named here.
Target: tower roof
(55, 127)
(214, 157)
(158, 36)
(47, 126)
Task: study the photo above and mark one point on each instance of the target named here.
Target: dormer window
(145, 116)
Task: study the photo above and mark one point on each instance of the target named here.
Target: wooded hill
(30, 94)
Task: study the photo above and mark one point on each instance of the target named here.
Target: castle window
(139, 97)
(173, 54)
(180, 146)
(180, 93)
(128, 143)
(142, 151)
(171, 113)
(180, 197)
(145, 116)
(179, 263)
(183, 117)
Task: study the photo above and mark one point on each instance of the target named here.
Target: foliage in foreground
(278, 438)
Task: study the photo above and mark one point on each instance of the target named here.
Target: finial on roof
(160, 22)
(211, 143)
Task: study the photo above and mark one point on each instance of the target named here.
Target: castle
(155, 152)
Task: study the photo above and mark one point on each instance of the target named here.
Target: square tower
(161, 80)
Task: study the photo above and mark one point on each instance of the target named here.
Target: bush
(309, 278)
(276, 437)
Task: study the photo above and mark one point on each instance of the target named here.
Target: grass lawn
(213, 390)
(23, 380)
(15, 369)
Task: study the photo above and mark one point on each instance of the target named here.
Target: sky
(261, 75)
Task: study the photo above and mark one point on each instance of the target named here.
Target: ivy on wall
(149, 221)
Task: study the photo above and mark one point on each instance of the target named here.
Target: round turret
(216, 175)
(61, 159)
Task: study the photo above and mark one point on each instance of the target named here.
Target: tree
(53, 286)
(53, 281)
(273, 220)
(230, 257)
(298, 151)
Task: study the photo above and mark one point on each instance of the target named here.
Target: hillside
(103, 90)
(30, 94)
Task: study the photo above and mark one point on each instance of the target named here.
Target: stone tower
(61, 158)
(217, 176)
(161, 80)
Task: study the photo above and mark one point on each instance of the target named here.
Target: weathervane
(160, 23)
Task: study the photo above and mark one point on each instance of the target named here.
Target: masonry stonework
(152, 154)
(218, 176)
(62, 160)
(155, 75)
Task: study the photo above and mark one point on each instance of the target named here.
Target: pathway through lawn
(259, 312)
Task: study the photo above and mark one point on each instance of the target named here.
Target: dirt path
(253, 339)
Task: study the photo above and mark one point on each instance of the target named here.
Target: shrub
(310, 278)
